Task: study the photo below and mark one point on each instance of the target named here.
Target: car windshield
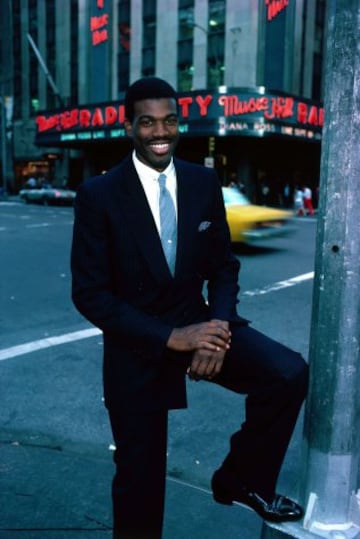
(233, 196)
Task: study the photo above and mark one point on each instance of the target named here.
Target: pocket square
(204, 225)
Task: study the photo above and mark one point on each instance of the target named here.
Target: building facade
(248, 73)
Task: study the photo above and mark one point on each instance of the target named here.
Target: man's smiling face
(155, 131)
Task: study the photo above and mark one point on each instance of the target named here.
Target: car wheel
(46, 201)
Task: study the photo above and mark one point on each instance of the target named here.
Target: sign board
(209, 162)
(249, 112)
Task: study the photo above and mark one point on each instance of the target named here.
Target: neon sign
(200, 114)
(274, 7)
(98, 25)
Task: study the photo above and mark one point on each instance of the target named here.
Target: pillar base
(295, 530)
(286, 530)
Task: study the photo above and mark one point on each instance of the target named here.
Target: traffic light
(211, 145)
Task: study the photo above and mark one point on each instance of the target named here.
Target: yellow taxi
(250, 223)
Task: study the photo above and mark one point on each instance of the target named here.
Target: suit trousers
(274, 379)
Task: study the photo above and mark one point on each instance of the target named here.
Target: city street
(55, 442)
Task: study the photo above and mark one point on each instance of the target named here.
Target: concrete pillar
(136, 40)
(241, 47)
(166, 40)
(201, 14)
(332, 429)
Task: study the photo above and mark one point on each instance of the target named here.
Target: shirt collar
(144, 171)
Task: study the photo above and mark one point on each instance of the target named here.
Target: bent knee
(298, 374)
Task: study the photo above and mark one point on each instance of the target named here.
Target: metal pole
(3, 144)
(209, 42)
(45, 69)
(332, 419)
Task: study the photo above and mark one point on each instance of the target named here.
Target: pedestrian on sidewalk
(148, 234)
(299, 201)
(307, 198)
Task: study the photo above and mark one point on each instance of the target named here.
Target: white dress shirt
(149, 180)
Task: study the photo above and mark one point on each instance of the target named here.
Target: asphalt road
(55, 443)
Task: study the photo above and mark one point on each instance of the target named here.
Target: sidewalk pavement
(47, 493)
(59, 487)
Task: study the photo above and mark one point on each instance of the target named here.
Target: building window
(216, 38)
(318, 50)
(124, 28)
(17, 74)
(185, 45)
(33, 64)
(149, 41)
(50, 51)
(74, 47)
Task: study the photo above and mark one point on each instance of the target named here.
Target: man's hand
(206, 365)
(213, 336)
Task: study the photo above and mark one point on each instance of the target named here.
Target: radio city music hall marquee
(242, 112)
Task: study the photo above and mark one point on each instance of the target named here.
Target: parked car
(250, 223)
(47, 195)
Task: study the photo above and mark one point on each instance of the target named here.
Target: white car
(47, 195)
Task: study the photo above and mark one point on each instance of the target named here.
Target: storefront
(260, 138)
(40, 169)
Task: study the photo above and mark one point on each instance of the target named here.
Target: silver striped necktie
(168, 225)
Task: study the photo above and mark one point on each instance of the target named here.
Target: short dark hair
(146, 88)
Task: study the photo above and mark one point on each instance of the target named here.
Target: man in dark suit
(158, 328)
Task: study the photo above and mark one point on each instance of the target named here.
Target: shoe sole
(229, 501)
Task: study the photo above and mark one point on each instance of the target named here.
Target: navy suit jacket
(122, 284)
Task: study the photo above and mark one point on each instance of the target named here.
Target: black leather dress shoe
(280, 509)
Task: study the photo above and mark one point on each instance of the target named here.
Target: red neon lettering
(184, 103)
(44, 124)
(302, 113)
(233, 106)
(274, 7)
(122, 114)
(97, 118)
(98, 22)
(84, 118)
(100, 4)
(99, 36)
(228, 102)
(110, 115)
(281, 107)
(313, 116)
(203, 103)
(252, 105)
(81, 118)
(69, 118)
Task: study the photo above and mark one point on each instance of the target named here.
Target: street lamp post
(3, 144)
(45, 70)
(212, 48)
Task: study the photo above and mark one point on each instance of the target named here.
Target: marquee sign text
(99, 25)
(200, 111)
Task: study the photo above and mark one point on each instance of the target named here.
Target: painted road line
(280, 285)
(38, 225)
(41, 344)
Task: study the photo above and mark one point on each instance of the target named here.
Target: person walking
(307, 198)
(299, 201)
(148, 234)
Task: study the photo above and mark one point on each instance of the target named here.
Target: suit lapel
(136, 210)
(186, 218)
